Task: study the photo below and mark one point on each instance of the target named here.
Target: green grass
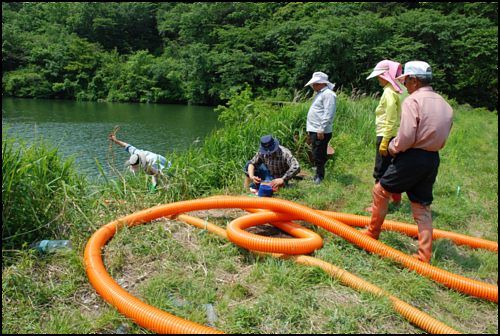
(34, 180)
(250, 293)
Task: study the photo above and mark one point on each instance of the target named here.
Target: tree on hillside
(199, 52)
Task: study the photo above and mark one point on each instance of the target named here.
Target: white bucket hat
(320, 78)
(416, 68)
(136, 159)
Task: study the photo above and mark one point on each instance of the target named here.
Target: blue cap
(268, 144)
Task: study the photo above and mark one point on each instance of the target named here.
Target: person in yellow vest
(387, 117)
(426, 122)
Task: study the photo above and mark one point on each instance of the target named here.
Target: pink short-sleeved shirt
(426, 121)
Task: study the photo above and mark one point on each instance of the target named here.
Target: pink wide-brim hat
(388, 70)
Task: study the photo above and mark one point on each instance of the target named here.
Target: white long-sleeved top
(322, 111)
(153, 159)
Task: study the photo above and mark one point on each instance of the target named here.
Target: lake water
(84, 127)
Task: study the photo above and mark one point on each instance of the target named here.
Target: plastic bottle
(122, 330)
(52, 246)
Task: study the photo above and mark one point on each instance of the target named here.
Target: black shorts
(413, 172)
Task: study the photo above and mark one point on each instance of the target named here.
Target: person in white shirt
(319, 121)
(151, 163)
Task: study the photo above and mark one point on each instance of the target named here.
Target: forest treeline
(199, 53)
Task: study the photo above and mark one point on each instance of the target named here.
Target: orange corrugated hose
(131, 307)
(412, 230)
(308, 241)
(457, 282)
(409, 230)
(412, 314)
(158, 321)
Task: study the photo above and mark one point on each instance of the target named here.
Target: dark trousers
(381, 162)
(318, 150)
(413, 171)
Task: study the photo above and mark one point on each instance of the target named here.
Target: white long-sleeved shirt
(322, 111)
(153, 159)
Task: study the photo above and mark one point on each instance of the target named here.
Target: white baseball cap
(416, 68)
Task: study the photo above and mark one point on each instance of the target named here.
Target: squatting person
(273, 163)
(151, 163)
(426, 121)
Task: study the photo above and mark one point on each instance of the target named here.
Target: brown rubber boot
(380, 204)
(422, 215)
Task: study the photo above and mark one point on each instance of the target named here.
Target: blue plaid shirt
(283, 164)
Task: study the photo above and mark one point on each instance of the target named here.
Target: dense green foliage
(36, 182)
(180, 52)
(197, 52)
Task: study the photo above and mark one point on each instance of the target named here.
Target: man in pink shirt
(426, 121)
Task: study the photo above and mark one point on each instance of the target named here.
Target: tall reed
(36, 182)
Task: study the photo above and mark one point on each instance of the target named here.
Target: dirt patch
(229, 214)
(229, 278)
(186, 235)
(91, 304)
(336, 205)
(268, 230)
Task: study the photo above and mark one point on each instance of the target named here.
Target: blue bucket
(265, 190)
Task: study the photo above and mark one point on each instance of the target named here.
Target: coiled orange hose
(408, 229)
(158, 321)
(412, 314)
(143, 314)
(308, 240)
(457, 282)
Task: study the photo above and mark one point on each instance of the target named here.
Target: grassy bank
(251, 294)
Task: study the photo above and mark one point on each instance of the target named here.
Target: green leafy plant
(34, 177)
